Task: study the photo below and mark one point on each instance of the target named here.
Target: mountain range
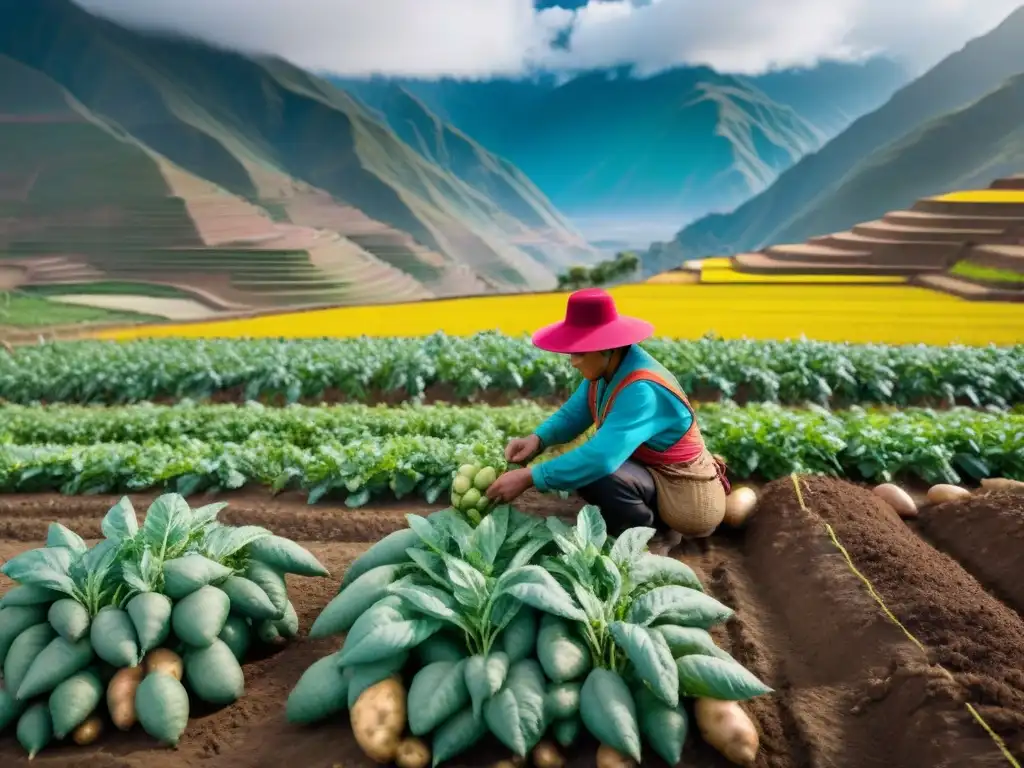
(958, 126)
(644, 153)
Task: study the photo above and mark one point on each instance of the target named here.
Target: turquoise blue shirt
(644, 412)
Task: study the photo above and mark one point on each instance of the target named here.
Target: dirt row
(851, 689)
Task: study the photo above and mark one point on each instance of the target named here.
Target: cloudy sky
(484, 38)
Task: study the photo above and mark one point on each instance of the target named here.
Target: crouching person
(646, 464)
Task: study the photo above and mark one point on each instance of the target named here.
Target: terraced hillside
(244, 184)
(968, 243)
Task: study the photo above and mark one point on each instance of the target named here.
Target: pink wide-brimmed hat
(592, 324)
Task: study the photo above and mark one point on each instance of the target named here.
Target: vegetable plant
(123, 622)
(469, 483)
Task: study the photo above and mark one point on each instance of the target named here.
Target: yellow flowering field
(984, 196)
(894, 314)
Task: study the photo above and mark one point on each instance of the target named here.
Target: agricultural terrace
(337, 456)
(836, 312)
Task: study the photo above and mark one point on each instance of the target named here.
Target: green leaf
(120, 523)
(470, 586)
(166, 527)
(714, 678)
(484, 677)
(362, 676)
(221, 543)
(59, 536)
(536, 587)
(678, 605)
(438, 691)
(458, 734)
(561, 652)
(655, 569)
(432, 564)
(504, 611)
(683, 641)
(630, 546)
(207, 513)
(386, 639)
(519, 640)
(490, 535)
(563, 536)
(429, 601)
(651, 658)
(591, 604)
(526, 553)
(427, 532)
(609, 713)
(47, 567)
(515, 715)
(665, 728)
(591, 528)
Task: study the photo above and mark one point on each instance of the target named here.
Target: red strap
(641, 375)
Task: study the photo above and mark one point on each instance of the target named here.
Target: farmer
(646, 465)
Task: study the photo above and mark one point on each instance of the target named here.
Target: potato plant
(519, 627)
(133, 622)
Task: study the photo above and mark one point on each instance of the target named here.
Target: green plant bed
(985, 274)
(19, 311)
(108, 287)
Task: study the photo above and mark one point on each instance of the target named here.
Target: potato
(121, 696)
(726, 727)
(942, 492)
(1002, 484)
(896, 498)
(88, 732)
(739, 505)
(609, 758)
(546, 755)
(164, 660)
(378, 719)
(412, 753)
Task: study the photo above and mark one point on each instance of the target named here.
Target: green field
(19, 311)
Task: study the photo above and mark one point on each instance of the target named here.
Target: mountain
(989, 139)
(794, 207)
(260, 161)
(607, 146)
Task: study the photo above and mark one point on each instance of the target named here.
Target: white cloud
(479, 38)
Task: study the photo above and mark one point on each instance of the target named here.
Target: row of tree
(624, 266)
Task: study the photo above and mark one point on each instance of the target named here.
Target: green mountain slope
(277, 136)
(981, 66)
(989, 139)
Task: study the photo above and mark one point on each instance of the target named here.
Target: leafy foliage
(307, 369)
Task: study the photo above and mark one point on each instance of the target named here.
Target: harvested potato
(88, 732)
(412, 753)
(942, 492)
(609, 758)
(726, 727)
(378, 719)
(1002, 484)
(546, 755)
(121, 696)
(739, 505)
(896, 498)
(164, 660)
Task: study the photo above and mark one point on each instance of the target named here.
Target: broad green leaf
(58, 535)
(608, 711)
(563, 535)
(47, 567)
(120, 522)
(515, 715)
(166, 526)
(484, 677)
(628, 547)
(656, 569)
(683, 641)
(651, 658)
(609, 578)
(591, 604)
(207, 513)
(714, 678)
(591, 528)
(456, 735)
(526, 553)
(427, 532)
(386, 639)
(429, 601)
(562, 653)
(536, 587)
(431, 563)
(223, 542)
(678, 605)
(437, 692)
(470, 586)
(665, 728)
(490, 535)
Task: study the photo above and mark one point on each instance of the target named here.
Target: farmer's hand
(510, 486)
(521, 449)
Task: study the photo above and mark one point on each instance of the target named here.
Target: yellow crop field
(728, 275)
(984, 196)
(894, 314)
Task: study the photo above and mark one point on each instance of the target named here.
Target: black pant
(627, 498)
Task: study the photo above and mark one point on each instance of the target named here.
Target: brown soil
(851, 690)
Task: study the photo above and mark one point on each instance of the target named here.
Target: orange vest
(685, 450)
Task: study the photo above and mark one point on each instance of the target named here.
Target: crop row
(463, 368)
(764, 442)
